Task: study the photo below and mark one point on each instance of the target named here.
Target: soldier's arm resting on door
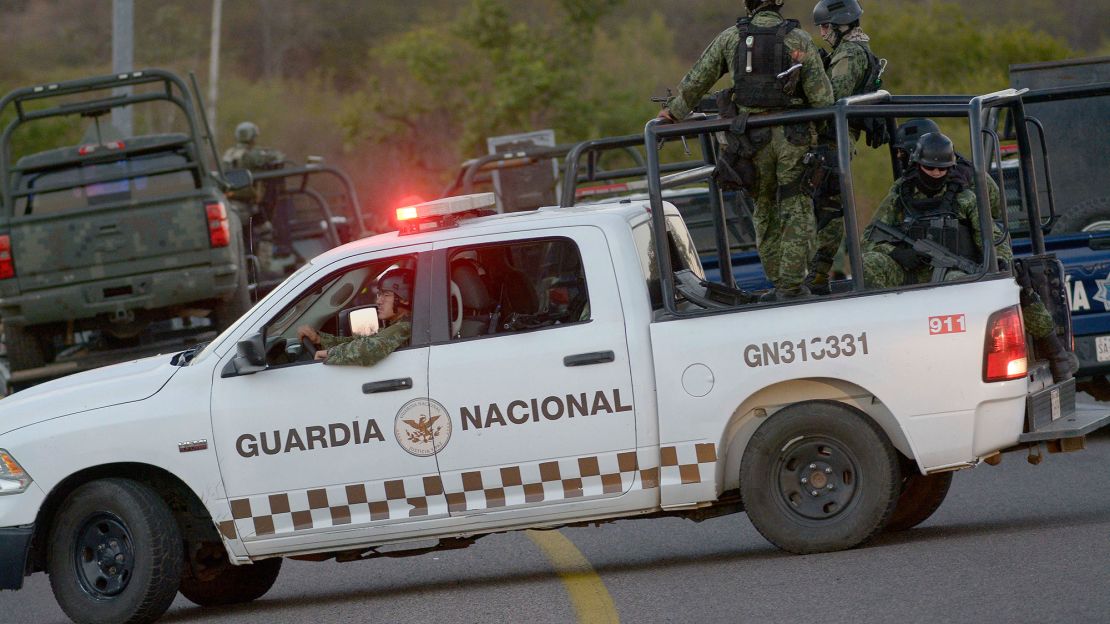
(369, 350)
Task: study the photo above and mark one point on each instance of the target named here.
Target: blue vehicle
(1067, 107)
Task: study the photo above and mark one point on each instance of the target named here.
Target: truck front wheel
(115, 554)
(230, 584)
(818, 477)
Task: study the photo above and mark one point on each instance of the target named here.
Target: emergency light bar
(443, 213)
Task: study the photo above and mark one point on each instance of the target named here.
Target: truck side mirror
(360, 321)
(237, 179)
(250, 357)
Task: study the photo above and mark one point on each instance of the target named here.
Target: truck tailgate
(108, 241)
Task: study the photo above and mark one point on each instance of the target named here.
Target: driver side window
(320, 308)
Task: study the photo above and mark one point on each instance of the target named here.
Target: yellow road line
(592, 602)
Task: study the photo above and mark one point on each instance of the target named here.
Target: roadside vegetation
(399, 93)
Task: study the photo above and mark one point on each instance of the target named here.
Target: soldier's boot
(1063, 363)
(785, 294)
(817, 280)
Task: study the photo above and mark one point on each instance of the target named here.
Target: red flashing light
(7, 266)
(407, 213)
(1004, 355)
(219, 234)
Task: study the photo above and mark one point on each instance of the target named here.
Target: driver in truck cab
(394, 300)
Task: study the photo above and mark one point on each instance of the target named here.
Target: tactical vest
(761, 56)
(870, 82)
(937, 219)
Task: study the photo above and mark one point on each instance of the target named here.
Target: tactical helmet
(905, 138)
(399, 282)
(755, 5)
(839, 12)
(246, 132)
(935, 150)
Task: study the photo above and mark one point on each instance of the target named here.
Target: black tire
(232, 584)
(1092, 215)
(26, 347)
(921, 496)
(103, 523)
(828, 448)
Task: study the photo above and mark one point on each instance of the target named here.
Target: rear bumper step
(1051, 414)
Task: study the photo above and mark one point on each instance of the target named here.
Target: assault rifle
(940, 258)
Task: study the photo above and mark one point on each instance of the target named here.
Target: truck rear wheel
(232, 584)
(921, 496)
(115, 554)
(818, 477)
(27, 347)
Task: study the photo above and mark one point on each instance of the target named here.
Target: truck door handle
(585, 359)
(390, 385)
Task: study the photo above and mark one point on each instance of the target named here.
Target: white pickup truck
(541, 387)
(565, 366)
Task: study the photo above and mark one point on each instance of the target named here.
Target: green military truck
(112, 236)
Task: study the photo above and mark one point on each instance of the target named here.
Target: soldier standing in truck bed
(775, 67)
(853, 70)
(274, 248)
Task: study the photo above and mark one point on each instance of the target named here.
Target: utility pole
(123, 57)
(214, 62)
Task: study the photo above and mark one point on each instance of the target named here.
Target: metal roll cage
(879, 104)
(174, 91)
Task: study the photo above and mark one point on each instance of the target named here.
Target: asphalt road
(1012, 543)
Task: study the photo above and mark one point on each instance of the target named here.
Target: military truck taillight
(7, 267)
(1004, 356)
(218, 233)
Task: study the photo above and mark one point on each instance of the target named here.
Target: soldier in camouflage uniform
(850, 66)
(273, 248)
(934, 181)
(783, 216)
(394, 301)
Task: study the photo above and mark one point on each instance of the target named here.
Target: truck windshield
(79, 194)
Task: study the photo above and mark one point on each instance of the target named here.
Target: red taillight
(1004, 355)
(218, 233)
(7, 267)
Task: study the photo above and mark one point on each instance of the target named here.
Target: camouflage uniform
(247, 203)
(785, 230)
(366, 350)
(881, 271)
(848, 67)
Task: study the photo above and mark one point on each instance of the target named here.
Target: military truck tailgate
(109, 241)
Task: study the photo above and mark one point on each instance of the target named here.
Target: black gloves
(908, 258)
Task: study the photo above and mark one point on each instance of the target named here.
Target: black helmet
(755, 5)
(935, 150)
(905, 138)
(839, 12)
(399, 282)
